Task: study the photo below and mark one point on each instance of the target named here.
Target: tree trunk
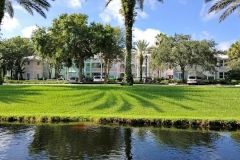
(2, 7)
(105, 70)
(1, 76)
(182, 74)
(80, 67)
(129, 14)
(141, 63)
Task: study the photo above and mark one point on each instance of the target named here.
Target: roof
(33, 57)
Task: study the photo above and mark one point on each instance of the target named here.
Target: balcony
(96, 69)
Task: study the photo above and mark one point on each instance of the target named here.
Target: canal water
(91, 141)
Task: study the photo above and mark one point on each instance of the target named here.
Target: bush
(233, 75)
(111, 80)
(233, 81)
(164, 82)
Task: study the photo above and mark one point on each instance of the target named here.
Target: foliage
(108, 42)
(234, 56)
(181, 50)
(29, 6)
(128, 11)
(157, 63)
(141, 49)
(173, 102)
(219, 5)
(233, 74)
(45, 47)
(76, 38)
(14, 54)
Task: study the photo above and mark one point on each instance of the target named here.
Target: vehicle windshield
(192, 77)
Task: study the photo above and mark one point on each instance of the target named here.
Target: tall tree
(229, 5)
(109, 42)
(181, 51)
(14, 53)
(140, 49)
(76, 37)
(234, 56)
(45, 47)
(156, 62)
(128, 10)
(28, 5)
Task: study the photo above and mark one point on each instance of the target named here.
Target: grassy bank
(141, 104)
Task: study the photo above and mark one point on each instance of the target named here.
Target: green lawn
(104, 101)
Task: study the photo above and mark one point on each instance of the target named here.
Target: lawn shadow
(144, 102)
(18, 94)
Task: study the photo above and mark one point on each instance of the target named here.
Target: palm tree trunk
(2, 7)
(128, 7)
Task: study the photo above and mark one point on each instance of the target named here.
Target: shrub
(233, 75)
(111, 80)
(164, 82)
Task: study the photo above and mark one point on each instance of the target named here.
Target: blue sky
(172, 16)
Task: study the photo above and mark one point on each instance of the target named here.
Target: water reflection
(88, 141)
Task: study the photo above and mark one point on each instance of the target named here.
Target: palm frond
(36, 5)
(109, 1)
(228, 11)
(9, 8)
(230, 5)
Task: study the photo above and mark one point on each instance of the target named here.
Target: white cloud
(111, 12)
(9, 23)
(142, 14)
(152, 3)
(74, 3)
(205, 35)
(27, 31)
(183, 1)
(148, 35)
(225, 45)
(18, 7)
(205, 16)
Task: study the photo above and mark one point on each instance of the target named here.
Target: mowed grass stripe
(163, 102)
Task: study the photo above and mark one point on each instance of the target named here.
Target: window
(28, 63)
(38, 63)
(179, 75)
(220, 63)
(226, 63)
(28, 76)
(222, 75)
(37, 76)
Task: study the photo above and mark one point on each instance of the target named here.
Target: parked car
(73, 80)
(98, 79)
(195, 80)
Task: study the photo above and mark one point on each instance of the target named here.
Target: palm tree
(141, 48)
(28, 5)
(230, 6)
(129, 14)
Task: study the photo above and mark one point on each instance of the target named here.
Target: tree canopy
(180, 50)
(234, 56)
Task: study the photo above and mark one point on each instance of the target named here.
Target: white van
(98, 79)
(195, 80)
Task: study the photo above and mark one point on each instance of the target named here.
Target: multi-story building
(35, 68)
(196, 70)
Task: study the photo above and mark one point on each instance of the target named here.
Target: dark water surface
(90, 141)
